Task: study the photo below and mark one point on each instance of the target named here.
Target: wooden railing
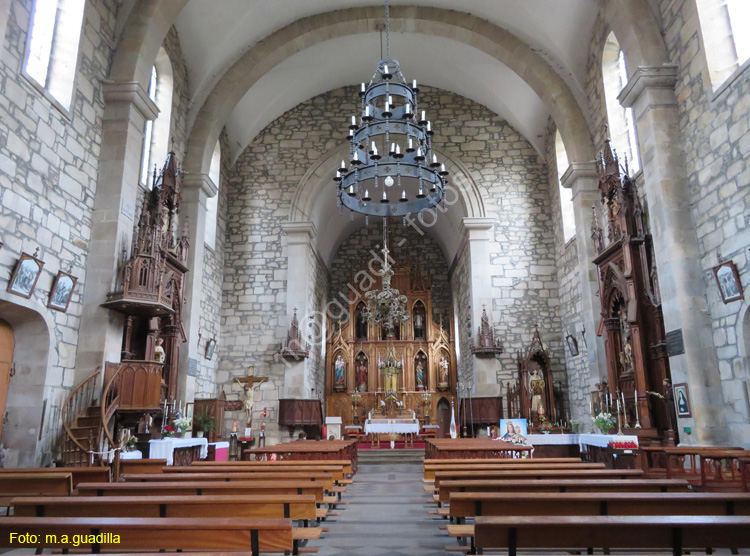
(110, 404)
(74, 451)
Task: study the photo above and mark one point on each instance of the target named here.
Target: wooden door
(443, 417)
(7, 343)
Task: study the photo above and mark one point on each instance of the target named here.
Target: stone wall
(715, 131)
(48, 171)
(49, 159)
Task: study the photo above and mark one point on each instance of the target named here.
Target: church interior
(433, 266)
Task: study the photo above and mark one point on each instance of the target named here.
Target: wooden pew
(180, 488)
(13, 485)
(336, 470)
(447, 488)
(346, 464)
(294, 506)
(500, 461)
(326, 479)
(470, 505)
(133, 466)
(538, 474)
(429, 471)
(101, 474)
(625, 532)
(214, 534)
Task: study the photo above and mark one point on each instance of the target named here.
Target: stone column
(196, 189)
(298, 379)
(128, 107)
(478, 232)
(583, 180)
(650, 92)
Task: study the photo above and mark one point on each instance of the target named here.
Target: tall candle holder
(619, 423)
(637, 420)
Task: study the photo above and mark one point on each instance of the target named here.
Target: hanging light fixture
(390, 143)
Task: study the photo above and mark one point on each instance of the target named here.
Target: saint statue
(339, 373)
(419, 375)
(444, 367)
(626, 357)
(536, 389)
(418, 325)
(362, 376)
(159, 354)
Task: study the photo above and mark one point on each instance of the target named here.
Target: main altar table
(408, 427)
(178, 451)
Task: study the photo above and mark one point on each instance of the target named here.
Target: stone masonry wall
(715, 131)
(48, 172)
(513, 183)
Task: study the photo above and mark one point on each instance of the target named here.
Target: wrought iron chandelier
(392, 168)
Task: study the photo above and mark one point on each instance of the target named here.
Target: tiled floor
(387, 515)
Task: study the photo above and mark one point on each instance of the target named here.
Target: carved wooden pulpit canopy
(631, 317)
(150, 288)
(536, 388)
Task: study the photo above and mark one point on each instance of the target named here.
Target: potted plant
(203, 423)
(605, 422)
(132, 441)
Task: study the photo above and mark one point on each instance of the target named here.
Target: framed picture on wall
(572, 344)
(62, 291)
(728, 280)
(682, 400)
(189, 410)
(210, 347)
(25, 275)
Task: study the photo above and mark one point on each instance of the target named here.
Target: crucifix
(248, 384)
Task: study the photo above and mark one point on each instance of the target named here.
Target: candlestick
(591, 407)
(619, 423)
(637, 421)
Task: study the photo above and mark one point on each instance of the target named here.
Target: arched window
(726, 42)
(156, 133)
(566, 194)
(621, 121)
(212, 203)
(52, 53)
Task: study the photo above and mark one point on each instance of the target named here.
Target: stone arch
(145, 30)
(466, 28)
(638, 33)
(33, 360)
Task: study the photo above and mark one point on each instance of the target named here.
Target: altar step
(386, 456)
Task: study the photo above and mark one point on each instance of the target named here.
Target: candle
(423, 116)
(442, 167)
(385, 69)
(622, 394)
(414, 84)
(591, 407)
(434, 159)
(393, 147)
(390, 100)
(429, 126)
(362, 87)
(410, 144)
(637, 420)
(367, 110)
(398, 149)
(374, 149)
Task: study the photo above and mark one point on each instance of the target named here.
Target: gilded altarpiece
(631, 322)
(421, 345)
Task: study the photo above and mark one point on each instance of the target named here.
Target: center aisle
(387, 515)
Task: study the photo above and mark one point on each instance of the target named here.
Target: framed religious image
(682, 400)
(62, 291)
(25, 275)
(596, 406)
(728, 280)
(513, 430)
(572, 344)
(189, 409)
(210, 347)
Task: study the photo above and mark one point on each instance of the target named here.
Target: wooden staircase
(83, 425)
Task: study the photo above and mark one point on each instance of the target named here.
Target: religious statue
(145, 423)
(626, 357)
(536, 389)
(339, 368)
(362, 375)
(419, 375)
(159, 354)
(444, 366)
(418, 325)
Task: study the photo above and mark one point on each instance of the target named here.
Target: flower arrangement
(545, 427)
(182, 423)
(575, 426)
(604, 421)
(132, 441)
(167, 431)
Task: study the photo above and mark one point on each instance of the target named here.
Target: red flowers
(167, 428)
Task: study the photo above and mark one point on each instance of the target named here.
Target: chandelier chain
(387, 30)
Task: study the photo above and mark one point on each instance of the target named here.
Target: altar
(178, 451)
(409, 428)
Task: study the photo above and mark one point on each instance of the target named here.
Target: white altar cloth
(135, 454)
(164, 448)
(402, 426)
(598, 440)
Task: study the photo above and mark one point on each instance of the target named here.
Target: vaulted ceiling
(214, 35)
